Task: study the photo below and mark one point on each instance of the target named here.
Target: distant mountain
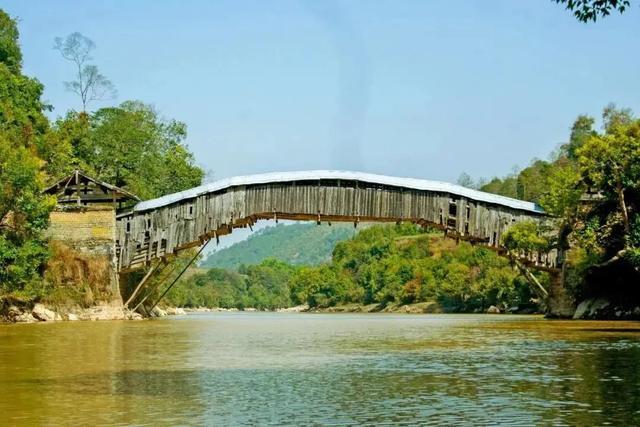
(300, 244)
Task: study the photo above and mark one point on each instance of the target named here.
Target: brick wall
(89, 230)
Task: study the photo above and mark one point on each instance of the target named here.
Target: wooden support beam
(142, 282)
(530, 277)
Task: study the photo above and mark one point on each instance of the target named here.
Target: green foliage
(386, 265)
(563, 190)
(525, 236)
(396, 265)
(263, 286)
(593, 190)
(528, 184)
(24, 211)
(129, 146)
(581, 131)
(611, 162)
(297, 244)
(591, 10)
(10, 53)
(22, 120)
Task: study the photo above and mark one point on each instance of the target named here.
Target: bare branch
(89, 85)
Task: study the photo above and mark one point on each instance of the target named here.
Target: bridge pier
(560, 304)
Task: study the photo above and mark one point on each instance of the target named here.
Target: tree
(131, 147)
(611, 162)
(24, 211)
(10, 54)
(89, 84)
(465, 180)
(581, 130)
(591, 10)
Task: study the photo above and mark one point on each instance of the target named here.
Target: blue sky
(426, 89)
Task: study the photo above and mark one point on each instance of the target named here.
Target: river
(321, 369)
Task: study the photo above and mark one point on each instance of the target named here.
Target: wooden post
(142, 282)
(179, 276)
(77, 179)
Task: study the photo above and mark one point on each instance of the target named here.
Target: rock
(599, 304)
(14, 314)
(72, 317)
(132, 315)
(618, 313)
(493, 310)
(250, 309)
(174, 311)
(158, 312)
(296, 309)
(582, 309)
(636, 311)
(103, 312)
(591, 308)
(43, 314)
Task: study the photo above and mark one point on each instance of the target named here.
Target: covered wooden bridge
(156, 228)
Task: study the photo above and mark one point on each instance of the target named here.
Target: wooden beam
(142, 282)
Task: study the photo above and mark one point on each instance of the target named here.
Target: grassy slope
(299, 244)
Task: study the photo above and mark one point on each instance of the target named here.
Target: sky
(425, 89)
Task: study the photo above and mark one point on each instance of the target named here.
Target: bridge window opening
(149, 223)
(128, 227)
(453, 208)
(468, 212)
(190, 210)
(466, 228)
(495, 239)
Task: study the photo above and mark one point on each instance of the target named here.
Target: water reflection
(293, 369)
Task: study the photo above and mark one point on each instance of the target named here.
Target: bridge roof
(390, 181)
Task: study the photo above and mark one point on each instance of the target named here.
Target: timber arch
(156, 228)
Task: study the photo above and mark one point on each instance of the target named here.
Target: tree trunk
(623, 206)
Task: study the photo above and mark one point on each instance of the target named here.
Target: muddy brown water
(321, 369)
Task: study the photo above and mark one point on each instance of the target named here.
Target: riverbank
(430, 307)
(15, 310)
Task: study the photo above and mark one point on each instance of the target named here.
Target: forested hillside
(382, 266)
(297, 244)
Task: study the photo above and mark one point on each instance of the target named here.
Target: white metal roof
(273, 177)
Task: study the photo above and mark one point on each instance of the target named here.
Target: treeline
(129, 145)
(592, 188)
(384, 265)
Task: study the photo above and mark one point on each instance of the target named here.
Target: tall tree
(23, 209)
(465, 180)
(89, 83)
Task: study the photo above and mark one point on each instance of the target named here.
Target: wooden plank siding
(146, 235)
